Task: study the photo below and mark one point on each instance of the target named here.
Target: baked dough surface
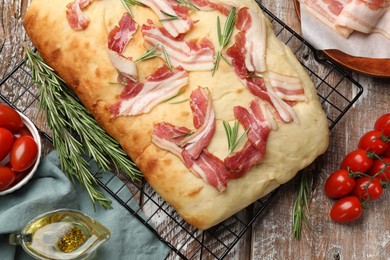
(81, 59)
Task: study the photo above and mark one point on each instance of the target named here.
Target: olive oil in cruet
(61, 234)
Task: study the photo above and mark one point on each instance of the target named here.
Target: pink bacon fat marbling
(192, 56)
(77, 19)
(159, 86)
(166, 8)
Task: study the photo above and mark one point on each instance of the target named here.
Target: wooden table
(270, 236)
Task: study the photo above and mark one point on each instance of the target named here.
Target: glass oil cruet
(61, 234)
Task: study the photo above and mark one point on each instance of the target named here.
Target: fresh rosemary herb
(179, 102)
(231, 133)
(217, 58)
(178, 94)
(301, 207)
(225, 36)
(183, 135)
(167, 58)
(121, 78)
(226, 60)
(68, 118)
(127, 8)
(171, 17)
(149, 54)
(134, 2)
(188, 4)
(126, 4)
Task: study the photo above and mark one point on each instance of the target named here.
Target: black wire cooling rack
(337, 92)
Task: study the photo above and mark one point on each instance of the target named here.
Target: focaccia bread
(179, 142)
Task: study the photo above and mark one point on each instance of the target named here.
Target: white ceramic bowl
(35, 134)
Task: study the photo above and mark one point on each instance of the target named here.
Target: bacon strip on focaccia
(196, 158)
(174, 16)
(159, 86)
(192, 56)
(255, 34)
(255, 84)
(76, 17)
(207, 5)
(204, 121)
(118, 39)
(255, 122)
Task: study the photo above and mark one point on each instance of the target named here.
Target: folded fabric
(50, 189)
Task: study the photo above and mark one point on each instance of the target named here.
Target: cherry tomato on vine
(357, 161)
(381, 165)
(346, 209)
(10, 119)
(24, 152)
(367, 188)
(373, 141)
(7, 177)
(383, 124)
(6, 141)
(339, 184)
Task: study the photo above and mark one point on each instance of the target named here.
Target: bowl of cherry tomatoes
(20, 149)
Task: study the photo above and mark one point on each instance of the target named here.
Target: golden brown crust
(81, 59)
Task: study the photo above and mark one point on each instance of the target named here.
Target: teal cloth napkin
(50, 189)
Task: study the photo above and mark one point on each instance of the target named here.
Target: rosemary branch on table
(75, 132)
(301, 208)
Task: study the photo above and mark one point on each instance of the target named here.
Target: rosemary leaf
(301, 207)
(224, 37)
(179, 102)
(217, 59)
(231, 133)
(68, 118)
(226, 60)
(125, 4)
(229, 27)
(167, 58)
(134, 2)
(171, 17)
(188, 4)
(149, 54)
(219, 31)
(181, 91)
(239, 140)
(183, 135)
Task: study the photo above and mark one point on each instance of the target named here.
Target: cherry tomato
(339, 184)
(386, 153)
(357, 161)
(346, 209)
(381, 165)
(383, 124)
(373, 141)
(10, 119)
(367, 188)
(7, 177)
(6, 141)
(24, 152)
(23, 131)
